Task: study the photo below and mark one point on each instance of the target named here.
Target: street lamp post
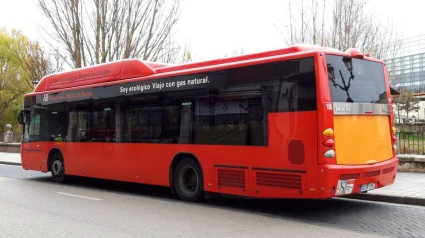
(35, 82)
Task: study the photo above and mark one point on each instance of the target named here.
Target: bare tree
(36, 63)
(234, 52)
(393, 63)
(349, 25)
(186, 56)
(98, 31)
(322, 40)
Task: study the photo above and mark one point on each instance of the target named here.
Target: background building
(406, 69)
(406, 66)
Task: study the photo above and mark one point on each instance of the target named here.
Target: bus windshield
(355, 80)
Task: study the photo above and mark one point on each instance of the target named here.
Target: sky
(213, 28)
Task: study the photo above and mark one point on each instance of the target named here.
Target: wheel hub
(57, 168)
(188, 180)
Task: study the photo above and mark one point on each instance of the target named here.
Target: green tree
(406, 102)
(10, 85)
(21, 61)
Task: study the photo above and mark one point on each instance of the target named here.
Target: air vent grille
(279, 180)
(231, 178)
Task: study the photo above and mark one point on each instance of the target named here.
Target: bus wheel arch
(189, 162)
(55, 158)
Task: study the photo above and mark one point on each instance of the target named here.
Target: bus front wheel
(57, 168)
(188, 181)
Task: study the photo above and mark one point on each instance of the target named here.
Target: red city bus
(298, 122)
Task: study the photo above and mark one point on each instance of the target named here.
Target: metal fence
(411, 143)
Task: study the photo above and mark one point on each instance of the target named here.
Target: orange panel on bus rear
(362, 139)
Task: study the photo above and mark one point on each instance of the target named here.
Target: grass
(412, 137)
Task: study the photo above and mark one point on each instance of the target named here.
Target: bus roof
(135, 68)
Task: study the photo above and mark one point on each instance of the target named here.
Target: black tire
(57, 167)
(188, 181)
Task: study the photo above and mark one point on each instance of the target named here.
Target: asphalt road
(31, 205)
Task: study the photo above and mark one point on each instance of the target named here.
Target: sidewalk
(408, 188)
(10, 158)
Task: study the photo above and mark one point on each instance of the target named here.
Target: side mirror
(24, 116)
(27, 117)
(21, 117)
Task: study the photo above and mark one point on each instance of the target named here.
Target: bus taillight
(329, 143)
(328, 132)
(394, 138)
(329, 154)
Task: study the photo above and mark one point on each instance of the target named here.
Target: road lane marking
(78, 196)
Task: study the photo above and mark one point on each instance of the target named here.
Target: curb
(10, 163)
(411, 158)
(417, 201)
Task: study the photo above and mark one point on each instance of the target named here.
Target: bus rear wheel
(188, 181)
(57, 168)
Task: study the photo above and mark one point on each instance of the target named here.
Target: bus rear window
(355, 80)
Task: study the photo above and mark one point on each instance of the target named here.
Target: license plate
(366, 187)
(345, 187)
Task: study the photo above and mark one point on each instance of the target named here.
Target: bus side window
(104, 122)
(32, 126)
(78, 121)
(144, 118)
(302, 97)
(55, 121)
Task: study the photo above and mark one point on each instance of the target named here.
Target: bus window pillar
(117, 136)
(185, 124)
(266, 95)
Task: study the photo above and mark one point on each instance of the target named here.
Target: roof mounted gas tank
(102, 73)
